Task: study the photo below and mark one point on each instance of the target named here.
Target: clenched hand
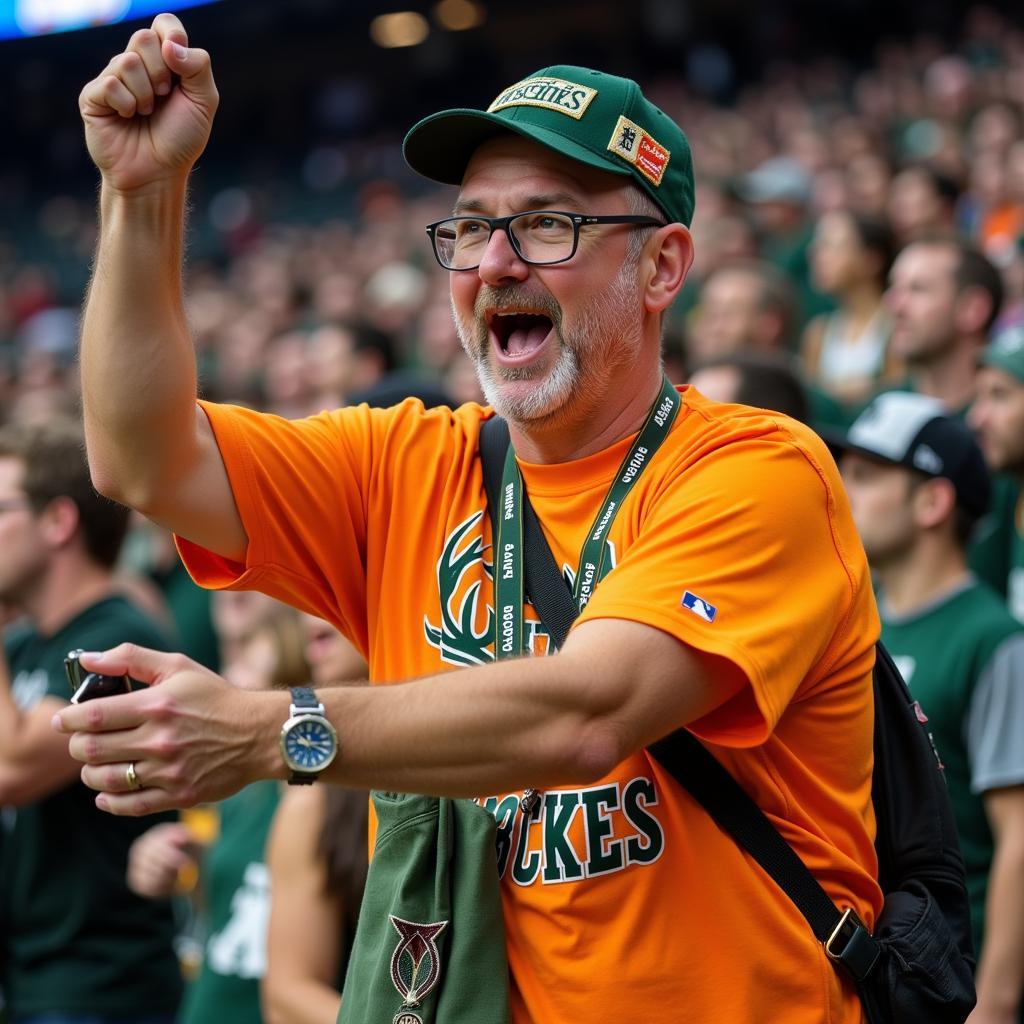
(148, 114)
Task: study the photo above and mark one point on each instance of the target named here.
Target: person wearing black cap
(918, 483)
(713, 559)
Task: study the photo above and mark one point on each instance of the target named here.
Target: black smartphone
(87, 685)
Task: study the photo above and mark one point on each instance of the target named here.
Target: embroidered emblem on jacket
(415, 964)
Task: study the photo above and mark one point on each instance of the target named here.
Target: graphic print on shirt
(465, 636)
(240, 947)
(466, 633)
(572, 834)
(29, 688)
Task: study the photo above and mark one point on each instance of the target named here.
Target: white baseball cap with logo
(916, 431)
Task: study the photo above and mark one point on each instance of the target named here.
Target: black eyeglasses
(539, 237)
(13, 504)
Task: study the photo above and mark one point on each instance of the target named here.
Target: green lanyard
(508, 545)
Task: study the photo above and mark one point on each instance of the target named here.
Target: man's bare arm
(615, 687)
(147, 118)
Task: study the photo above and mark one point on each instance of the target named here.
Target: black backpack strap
(696, 769)
(543, 582)
(693, 766)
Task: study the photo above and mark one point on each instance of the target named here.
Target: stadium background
(304, 217)
(313, 112)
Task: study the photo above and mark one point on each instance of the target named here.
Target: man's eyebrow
(538, 201)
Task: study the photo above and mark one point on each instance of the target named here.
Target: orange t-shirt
(623, 902)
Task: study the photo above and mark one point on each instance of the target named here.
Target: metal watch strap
(304, 702)
(304, 699)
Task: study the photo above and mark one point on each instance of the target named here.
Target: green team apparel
(430, 944)
(963, 659)
(1015, 579)
(996, 547)
(76, 939)
(237, 888)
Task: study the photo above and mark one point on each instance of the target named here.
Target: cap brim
(440, 146)
(839, 444)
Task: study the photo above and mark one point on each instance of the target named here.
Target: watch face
(309, 743)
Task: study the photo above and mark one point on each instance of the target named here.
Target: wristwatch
(309, 743)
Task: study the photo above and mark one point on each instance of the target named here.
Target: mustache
(516, 297)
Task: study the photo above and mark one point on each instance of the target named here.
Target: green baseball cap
(1006, 352)
(600, 120)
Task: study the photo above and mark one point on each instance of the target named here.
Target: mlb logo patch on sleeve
(699, 607)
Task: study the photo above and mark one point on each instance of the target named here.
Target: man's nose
(501, 263)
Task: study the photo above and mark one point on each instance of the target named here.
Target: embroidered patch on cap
(639, 148)
(567, 98)
(699, 607)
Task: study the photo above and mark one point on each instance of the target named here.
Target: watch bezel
(293, 723)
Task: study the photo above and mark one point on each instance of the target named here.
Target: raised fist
(148, 114)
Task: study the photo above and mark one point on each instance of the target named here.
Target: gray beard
(605, 337)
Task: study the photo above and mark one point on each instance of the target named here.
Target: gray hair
(641, 205)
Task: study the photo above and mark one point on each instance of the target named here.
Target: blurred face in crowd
(731, 315)
(881, 496)
(284, 373)
(867, 184)
(717, 240)
(238, 613)
(546, 339)
(332, 659)
(719, 383)
(997, 417)
(914, 205)
(328, 360)
(922, 299)
(838, 257)
(23, 551)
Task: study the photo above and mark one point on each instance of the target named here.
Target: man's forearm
(478, 731)
(615, 687)
(565, 720)
(137, 361)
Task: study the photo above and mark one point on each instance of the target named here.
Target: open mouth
(517, 334)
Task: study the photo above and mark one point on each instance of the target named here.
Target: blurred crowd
(856, 231)
(809, 182)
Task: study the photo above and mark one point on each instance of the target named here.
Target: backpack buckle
(852, 945)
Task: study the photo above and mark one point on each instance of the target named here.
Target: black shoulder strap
(543, 582)
(693, 766)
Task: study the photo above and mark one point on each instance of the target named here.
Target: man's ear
(667, 258)
(59, 522)
(972, 310)
(934, 502)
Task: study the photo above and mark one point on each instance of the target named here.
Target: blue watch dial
(310, 744)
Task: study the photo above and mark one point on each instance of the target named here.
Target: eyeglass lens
(539, 238)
